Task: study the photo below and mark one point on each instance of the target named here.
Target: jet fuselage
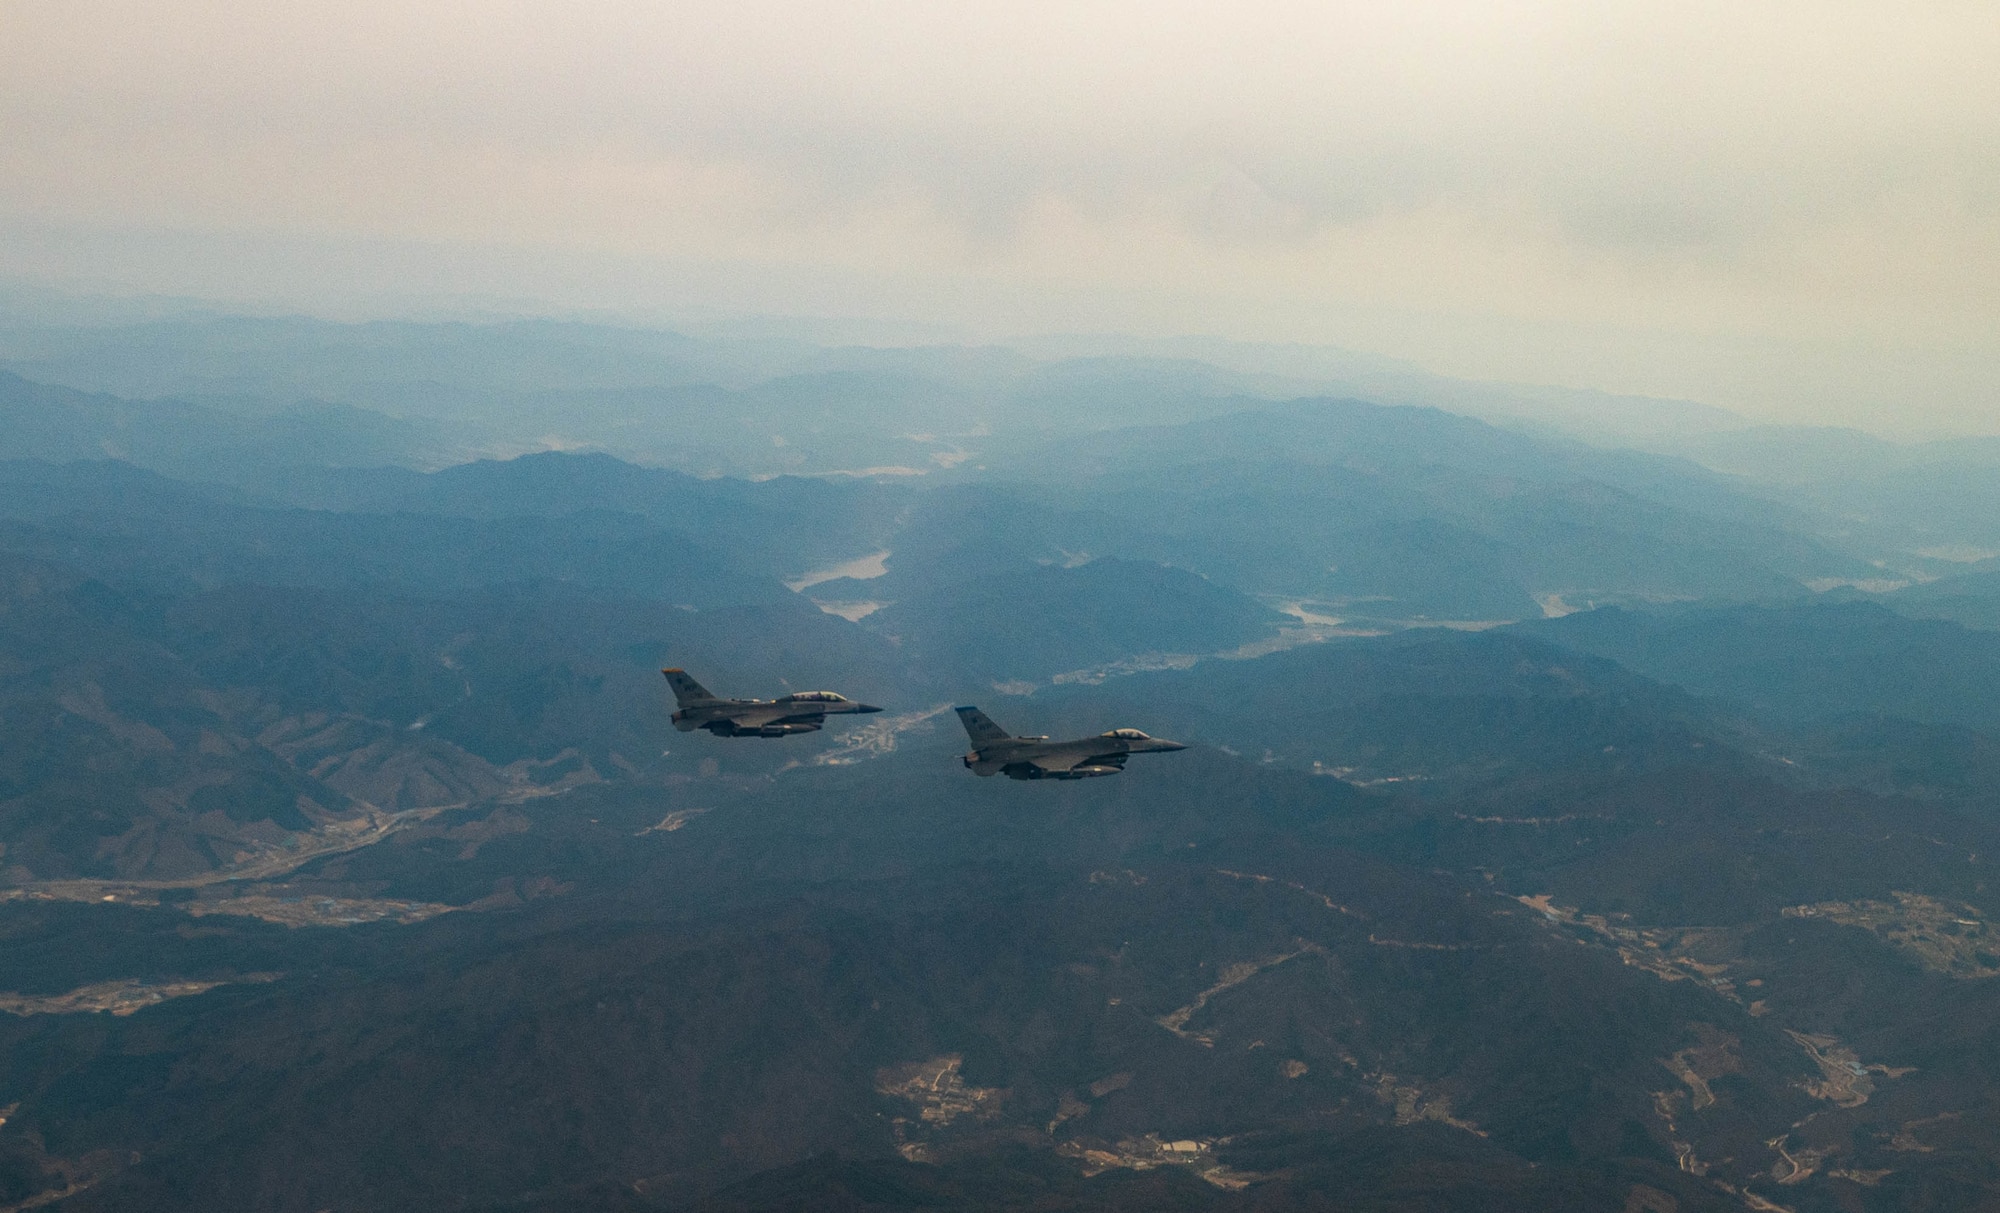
(994, 752)
(799, 712)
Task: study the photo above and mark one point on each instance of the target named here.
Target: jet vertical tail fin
(686, 690)
(980, 728)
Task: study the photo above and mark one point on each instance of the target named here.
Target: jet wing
(757, 718)
(1069, 760)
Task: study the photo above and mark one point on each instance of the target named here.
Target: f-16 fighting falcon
(994, 752)
(799, 712)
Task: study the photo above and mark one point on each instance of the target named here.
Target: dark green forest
(1564, 826)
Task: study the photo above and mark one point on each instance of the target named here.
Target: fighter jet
(994, 752)
(798, 712)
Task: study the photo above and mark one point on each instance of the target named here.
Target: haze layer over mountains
(1590, 805)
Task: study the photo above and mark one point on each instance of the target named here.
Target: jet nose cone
(866, 707)
(1170, 746)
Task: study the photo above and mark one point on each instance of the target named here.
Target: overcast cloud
(1791, 209)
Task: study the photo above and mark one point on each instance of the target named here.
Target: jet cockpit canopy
(816, 697)
(1128, 734)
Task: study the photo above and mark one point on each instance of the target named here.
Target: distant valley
(1568, 825)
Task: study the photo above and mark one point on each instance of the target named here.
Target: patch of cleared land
(938, 1090)
(1150, 1151)
(1234, 975)
(1661, 951)
(1412, 1105)
(304, 911)
(264, 861)
(1944, 938)
(1905, 1141)
(1844, 1077)
(1795, 1166)
(1143, 663)
(1315, 894)
(879, 737)
(1711, 1057)
(287, 909)
(125, 997)
(675, 820)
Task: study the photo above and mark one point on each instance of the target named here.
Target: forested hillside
(1562, 828)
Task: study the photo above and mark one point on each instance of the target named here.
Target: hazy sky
(1792, 209)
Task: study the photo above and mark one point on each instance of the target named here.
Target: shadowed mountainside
(351, 861)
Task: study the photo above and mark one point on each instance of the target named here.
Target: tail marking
(686, 690)
(980, 728)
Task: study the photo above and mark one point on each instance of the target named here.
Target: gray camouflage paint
(799, 712)
(996, 752)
